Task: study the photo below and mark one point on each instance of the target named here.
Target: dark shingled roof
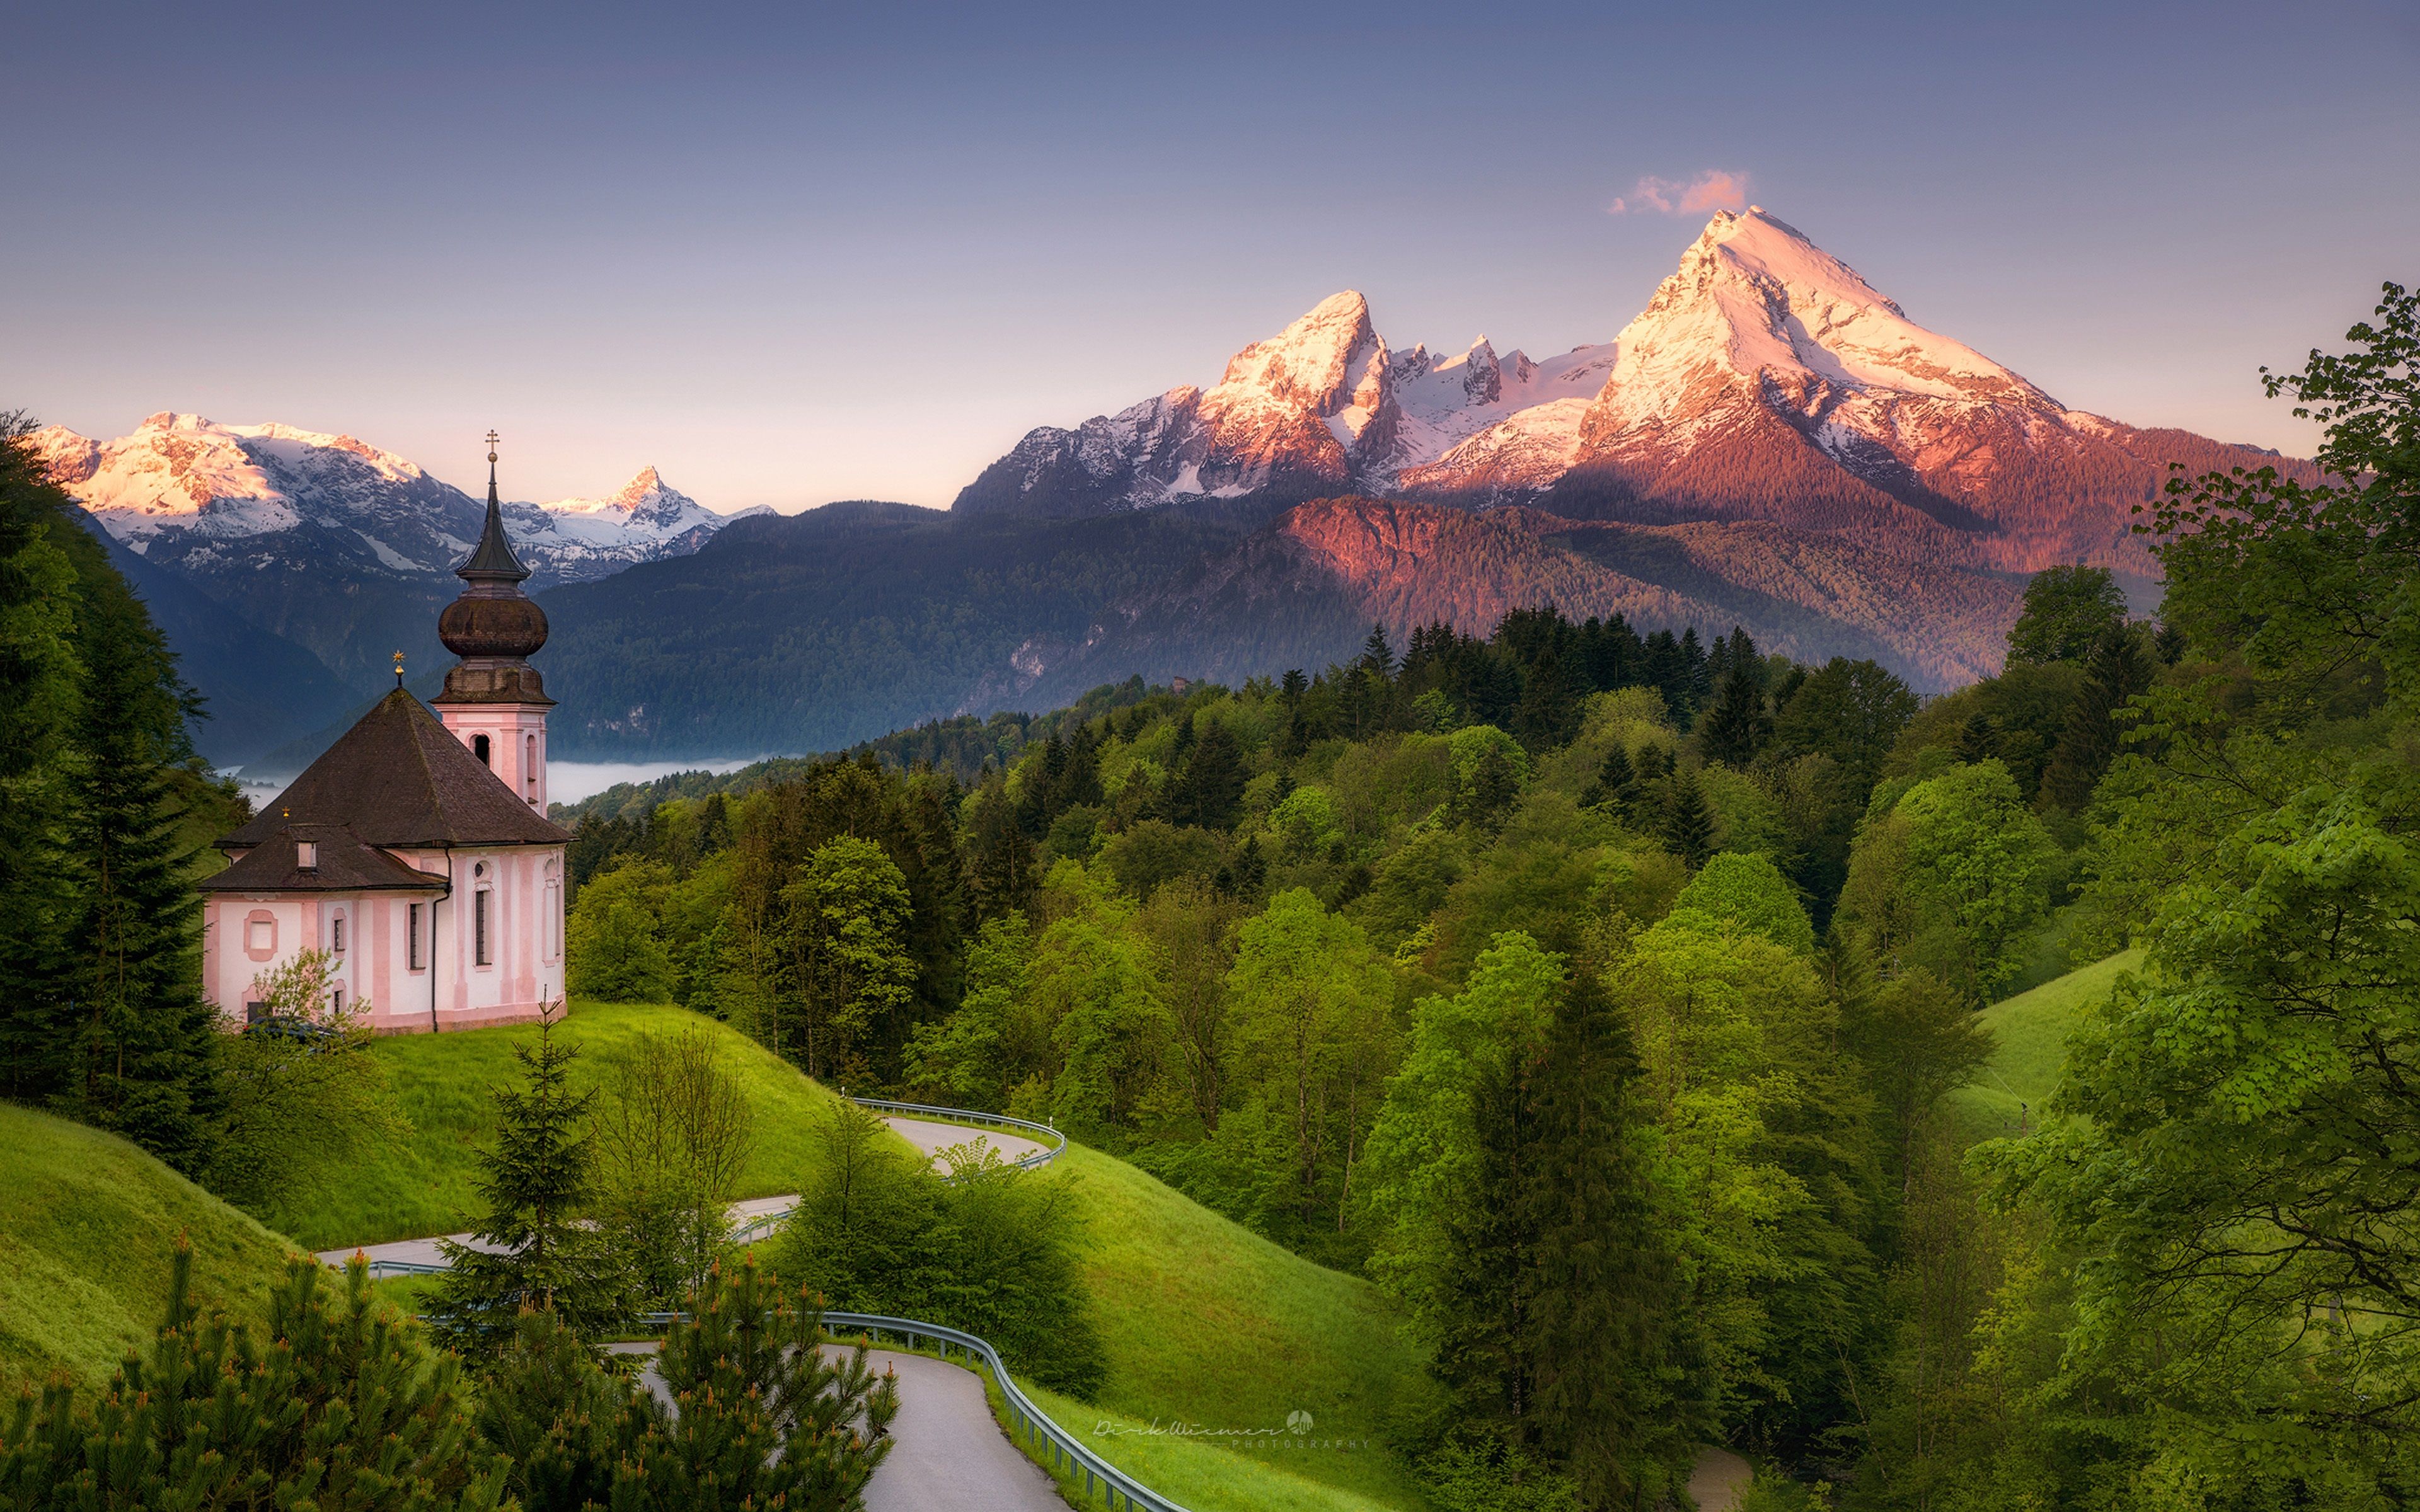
(401, 779)
(344, 865)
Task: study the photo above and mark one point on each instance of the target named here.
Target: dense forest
(1600, 995)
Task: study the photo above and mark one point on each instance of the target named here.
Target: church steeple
(494, 700)
(493, 561)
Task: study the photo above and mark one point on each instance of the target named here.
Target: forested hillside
(1602, 998)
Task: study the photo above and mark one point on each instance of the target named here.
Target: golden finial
(398, 668)
(492, 446)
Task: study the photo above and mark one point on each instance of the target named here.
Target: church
(416, 851)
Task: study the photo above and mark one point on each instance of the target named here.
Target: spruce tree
(1495, 788)
(1616, 786)
(1212, 784)
(531, 1251)
(1377, 657)
(41, 683)
(1600, 1321)
(1978, 739)
(1484, 1355)
(1737, 727)
(140, 1043)
(1549, 713)
(2117, 672)
(1688, 824)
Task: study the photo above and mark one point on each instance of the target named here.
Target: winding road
(946, 1451)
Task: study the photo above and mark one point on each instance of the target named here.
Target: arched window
(529, 770)
(337, 935)
(479, 748)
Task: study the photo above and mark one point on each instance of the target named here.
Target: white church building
(416, 851)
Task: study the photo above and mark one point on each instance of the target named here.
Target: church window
(260, 936)
(479, 748)
(338, 1003)
(479, 926)
(337, 935)
(413, 931)
(529, 769)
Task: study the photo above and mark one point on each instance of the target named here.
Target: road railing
(1053, 1143)
(1036, 1430)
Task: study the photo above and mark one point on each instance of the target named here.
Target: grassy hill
(88, 1224)
(2031, 1029)
(1209, 1324)
(422, 1184)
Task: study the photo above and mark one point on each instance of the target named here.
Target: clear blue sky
(791, 257)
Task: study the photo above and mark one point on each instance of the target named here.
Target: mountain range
(258, 543)
(1772, 443)
(1765, 379)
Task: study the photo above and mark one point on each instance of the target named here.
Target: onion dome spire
(494, 560)
(493, 626)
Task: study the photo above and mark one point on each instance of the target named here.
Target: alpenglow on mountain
(190, 490)
(289, 566)
(1766, 379)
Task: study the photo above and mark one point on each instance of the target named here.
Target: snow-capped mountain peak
(1754, 297)
(209, 496)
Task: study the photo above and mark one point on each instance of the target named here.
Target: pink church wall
(450, 990)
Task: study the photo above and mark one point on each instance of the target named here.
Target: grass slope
(1285, 1477)
(2031, 1031)
(422, 1184)
(1209, 1323)
(88, 1225)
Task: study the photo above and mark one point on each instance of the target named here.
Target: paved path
(925, 1134)
(932, 1138)
(1718, 1480)
(948, 1452)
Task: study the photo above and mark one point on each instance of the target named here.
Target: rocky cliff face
(1305, 589)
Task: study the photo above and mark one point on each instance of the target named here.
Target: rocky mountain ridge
(1765, 379)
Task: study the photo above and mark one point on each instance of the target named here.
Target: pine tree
(1212, 784)
(1606, 1281)
(2116, 670)
(1549, 713)
(1483, 1352)
(1616, 786)
(1688, 824)
(1495, 788)
(41, 683)
(1698, 684)
(334, 1405)
(1737, 727)
(140, 1040)
(1978, 739)
(530, 1249)
(771, 1416)
(1377, 657)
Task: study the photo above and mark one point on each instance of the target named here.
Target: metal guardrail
(1054, 1143)
(1118, 1490)
(1040, 1434)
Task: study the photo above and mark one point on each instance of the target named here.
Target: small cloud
(1713, 190)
